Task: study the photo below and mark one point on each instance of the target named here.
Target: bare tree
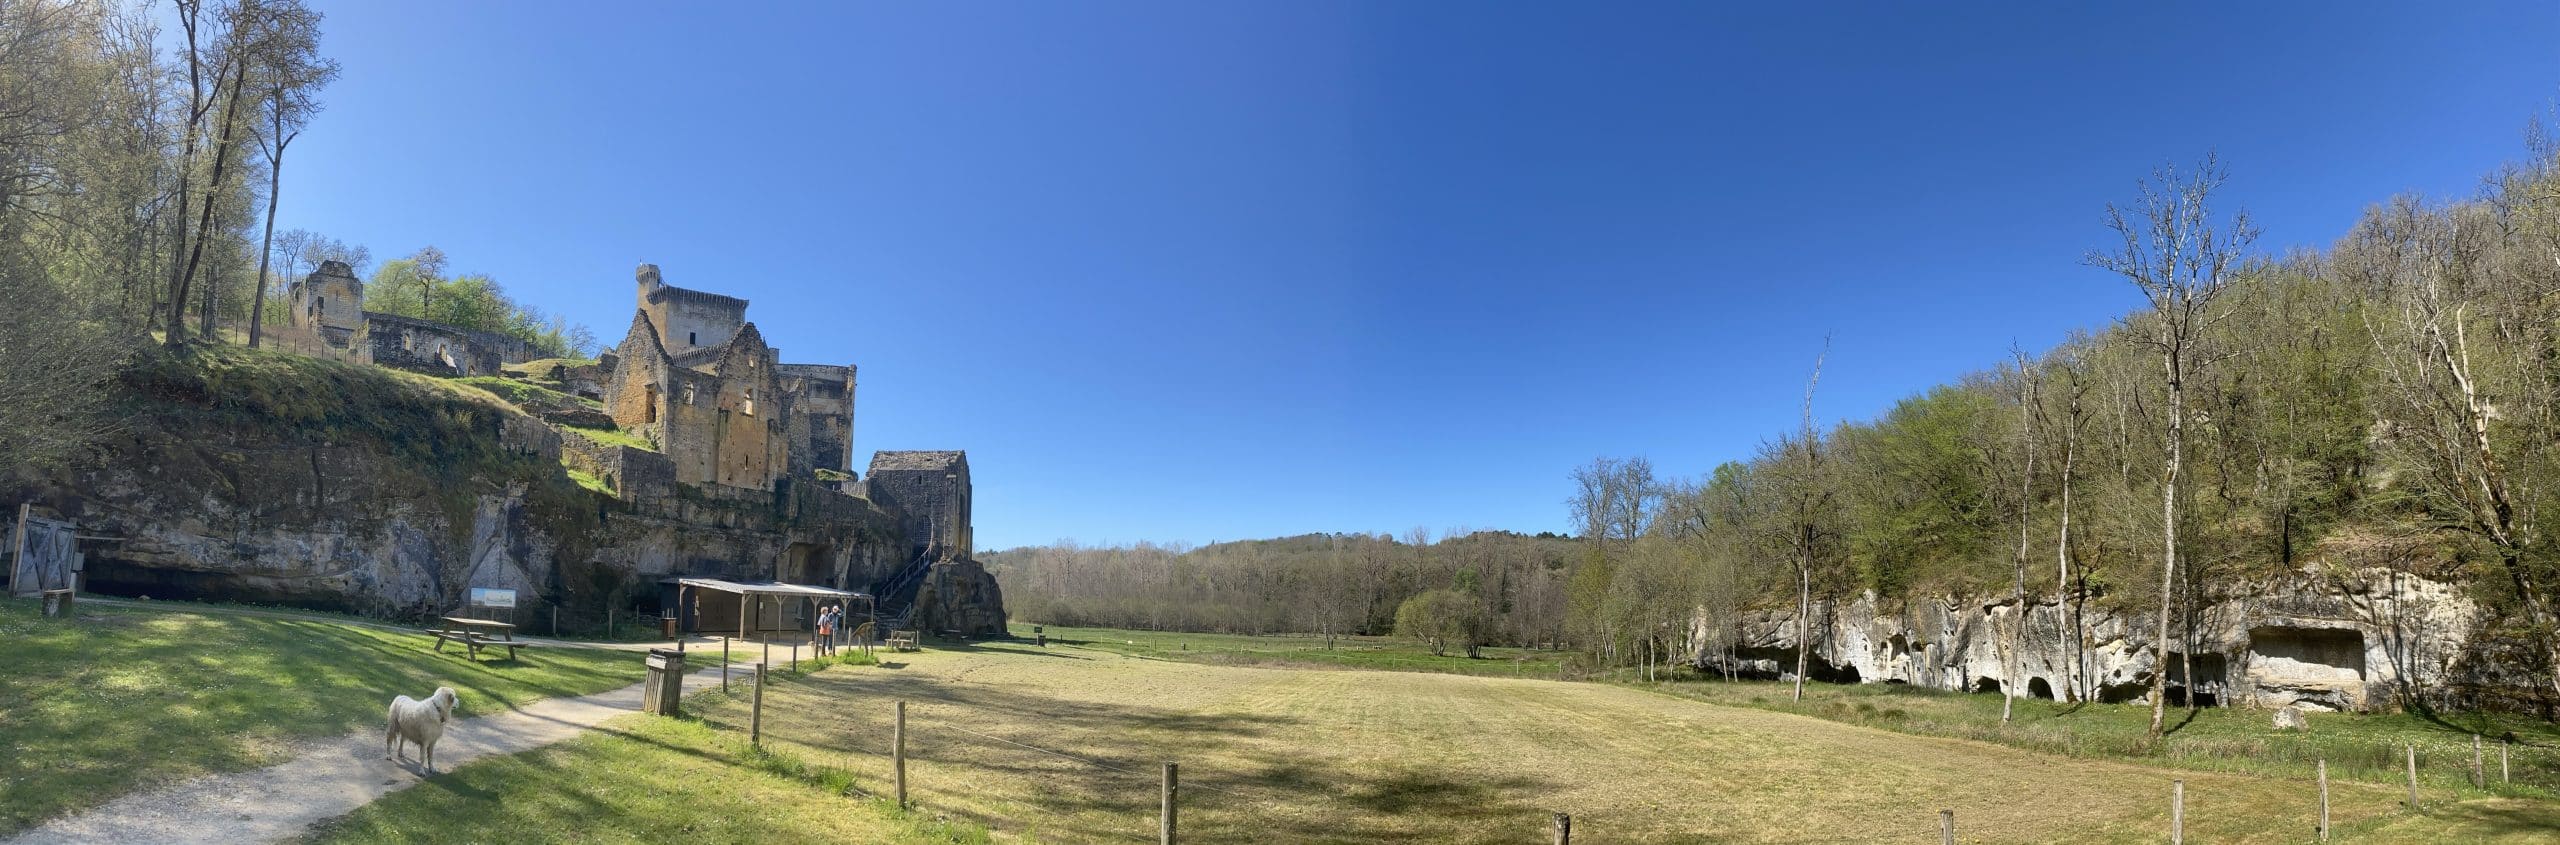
(1804, 526)
(2181, 260)
(2074, 385)
(2026, 499)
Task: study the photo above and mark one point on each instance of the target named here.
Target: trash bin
(665, 685)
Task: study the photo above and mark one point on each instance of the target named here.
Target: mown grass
(2363, 747)
(654, 780)
(118, 699)
(1063, 745)
(1346, 652)
(637, 779)
(611, 437)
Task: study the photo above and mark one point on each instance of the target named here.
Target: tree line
(142, 161)
(2387, 401)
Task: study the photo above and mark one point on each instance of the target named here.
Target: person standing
(827, 619)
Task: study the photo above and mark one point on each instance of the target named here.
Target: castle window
(750, 408)
(690, 339)
(652, 404)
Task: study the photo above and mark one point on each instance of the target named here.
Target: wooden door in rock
(45, 558)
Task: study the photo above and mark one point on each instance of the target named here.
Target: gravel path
(327, 778)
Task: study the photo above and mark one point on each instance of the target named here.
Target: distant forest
(2390, 401)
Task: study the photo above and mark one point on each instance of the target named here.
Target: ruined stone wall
(417, 345)
(821, 418)
(634, 474)
(330, 302)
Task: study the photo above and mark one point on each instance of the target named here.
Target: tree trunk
(2070, 641)
(2169, 542)
(267, 243)
(1804, 618)
(2018, 565)
(213, 191)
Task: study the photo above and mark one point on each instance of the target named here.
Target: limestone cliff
(2341, 640)
(247, 475)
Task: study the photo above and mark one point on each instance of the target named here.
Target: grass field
(2240, 740)
(120, 699)
(1063, 745)
(1305, 651)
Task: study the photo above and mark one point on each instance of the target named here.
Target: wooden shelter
(755, 609)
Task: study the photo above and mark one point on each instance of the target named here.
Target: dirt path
(326, 778)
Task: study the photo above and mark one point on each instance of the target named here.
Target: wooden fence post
(755, 722)
(2177, 812)
(2323, 829)
(2502, 760)
(608, 623)
(2479, 776)
(1564, 829)
(555, 621)
(1947, 827)
(2413, 777)
(724, 663)
(795, 657)
(898, 751)
(1172, 788)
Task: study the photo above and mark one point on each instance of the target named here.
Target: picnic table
(904, 641)
(476, 634)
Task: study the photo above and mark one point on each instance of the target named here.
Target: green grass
(540, 366)
(611, 437)
(524, 394)
(653, 780)
(643, 780)
(587, 479)
(118, 699)
(1347, 652)
(2363, 747)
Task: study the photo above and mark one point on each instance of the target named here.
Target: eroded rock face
(960, 595)
(2314, 639)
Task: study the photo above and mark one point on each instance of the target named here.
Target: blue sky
(1191, 271)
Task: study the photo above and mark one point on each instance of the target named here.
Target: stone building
(329, 302)
(693, 376)
(931, 492)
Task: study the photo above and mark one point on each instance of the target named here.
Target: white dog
(421, 722)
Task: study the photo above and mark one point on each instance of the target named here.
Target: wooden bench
(469, 632)
(475, 642)
(904, 641)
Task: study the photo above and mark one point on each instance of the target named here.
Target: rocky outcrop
(280, 479)
(960, 595)
(2316, 639)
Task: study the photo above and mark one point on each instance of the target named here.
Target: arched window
(751, 402)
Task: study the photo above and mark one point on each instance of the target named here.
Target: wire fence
(1092, 796)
